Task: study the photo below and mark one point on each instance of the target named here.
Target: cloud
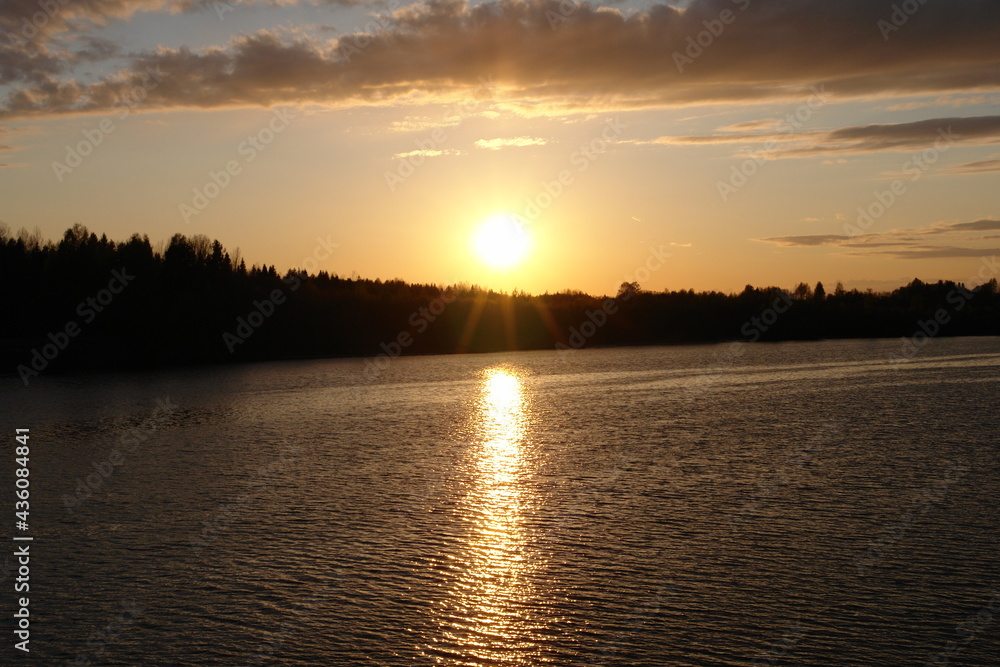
(31, 48)
(807, 240)
(905, 136)
(943, 101)
(752, 125)
(420, 124)
(941, 252)
(514, 142)
(756, 138)
(978, 167)
(597, 58)
(431, 152)
(35, 34)
(976, 130)
(976, 226)
(910, 243)
(96, 49)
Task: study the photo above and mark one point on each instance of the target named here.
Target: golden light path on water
(487, 616)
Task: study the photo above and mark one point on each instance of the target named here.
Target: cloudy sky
(752, 141)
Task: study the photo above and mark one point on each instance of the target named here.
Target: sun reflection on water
(487, 621)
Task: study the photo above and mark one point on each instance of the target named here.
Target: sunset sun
(501, 242)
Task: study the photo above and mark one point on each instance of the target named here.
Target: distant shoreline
(92, 303)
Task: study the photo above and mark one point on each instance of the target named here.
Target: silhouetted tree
(188, 292)
(627, 290)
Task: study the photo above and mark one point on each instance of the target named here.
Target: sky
(535, 145)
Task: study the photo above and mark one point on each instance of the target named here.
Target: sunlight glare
(501, 241)
(483, 615)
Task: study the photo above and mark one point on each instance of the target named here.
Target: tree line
(87, 301)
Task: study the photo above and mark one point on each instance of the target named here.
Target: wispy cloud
(808, 240)
(431, 152)
(909, 243)
(420, 124)
(905, 136)
(513, 142)
(978, 167)
(952, 101)
(974, 130)
(752, 125)
(975, 226)
(941, 252)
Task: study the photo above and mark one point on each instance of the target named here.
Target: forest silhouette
(87, 301)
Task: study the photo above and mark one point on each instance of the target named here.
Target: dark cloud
(556, 56)
(24, 65)
(96, 49)
(904, 243)
(864, 138)
(975, 226)
(30, 33)
(905, 136)
(29, 21)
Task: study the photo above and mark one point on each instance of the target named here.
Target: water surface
(802, 503)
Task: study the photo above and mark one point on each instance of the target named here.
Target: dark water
(800, 504)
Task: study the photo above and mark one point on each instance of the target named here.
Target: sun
(501, 241)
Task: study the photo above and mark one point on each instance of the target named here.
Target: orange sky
(735, 141)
